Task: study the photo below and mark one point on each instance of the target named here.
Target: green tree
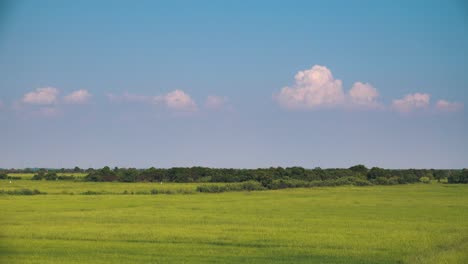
(361, 169)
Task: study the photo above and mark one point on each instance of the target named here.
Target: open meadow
(416, 223)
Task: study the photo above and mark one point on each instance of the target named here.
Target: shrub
(425, 180)
(3, 176)
(393, 180)
(248, 186)
(381, 181)
(91, 193)
(237, 186)
(362, 182)
(38, 177)
(21, 192)
(51, 176)
(210, 188)
(66, 178)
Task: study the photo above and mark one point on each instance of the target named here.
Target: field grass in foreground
(379, 224)
(71, 187)
(28, 176)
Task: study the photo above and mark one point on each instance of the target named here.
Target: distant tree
(361, 169)
(464, 176)
(458, 176)
(39, 175)
(376, 172)
(50, 176)
(440, 174)
(265, 179)
(128, 175)
(77, 169)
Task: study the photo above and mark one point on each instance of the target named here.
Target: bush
(425, 180)
(38, 177)
(211, 188)
(237, 186)
(66, 178)
(362, 182)
(247, 186)
(3, 176)
(21, 192)
(381, 181)
(393, 180)
(51, 176)
(91, 193)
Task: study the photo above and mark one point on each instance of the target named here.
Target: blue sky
(234, 83)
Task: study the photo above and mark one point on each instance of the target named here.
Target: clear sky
(234, 83)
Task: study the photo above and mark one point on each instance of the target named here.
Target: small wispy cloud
(446, 106)
(46, 101)
(177, 100)
(77, 97)
(411, 102)
(41, 96)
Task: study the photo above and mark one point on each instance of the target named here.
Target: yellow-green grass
(27, 176)
(419, 223)
(71, 187)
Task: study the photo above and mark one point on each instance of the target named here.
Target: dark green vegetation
(416, 223)
(21, 192)
(270, 178)
(243, 179)
(461, 177)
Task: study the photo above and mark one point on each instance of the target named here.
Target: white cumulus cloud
(363, 95)
(177, 100)
(77, 97)
(411, 102)
(444, 105)
(42, 96)
(313, 88)
(214, 102)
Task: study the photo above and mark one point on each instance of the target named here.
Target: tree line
(273, 177)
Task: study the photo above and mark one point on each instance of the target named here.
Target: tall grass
(418, 223)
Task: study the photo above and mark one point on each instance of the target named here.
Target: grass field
(70, 187)
(28, 176)
(419, 223)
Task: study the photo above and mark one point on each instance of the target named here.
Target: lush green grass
(28, 176)
(420, 223)
(70, 187)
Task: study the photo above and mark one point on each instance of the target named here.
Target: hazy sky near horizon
(234, 83)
